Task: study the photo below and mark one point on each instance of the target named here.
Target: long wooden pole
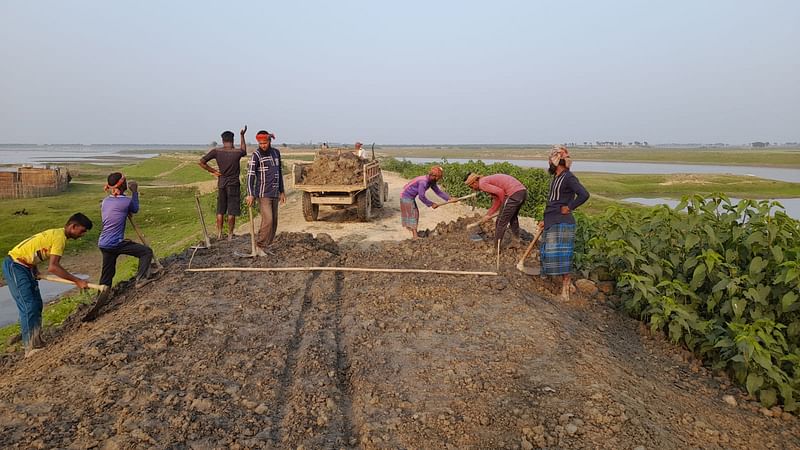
(56, 279)
(202, 221)
(337, 269)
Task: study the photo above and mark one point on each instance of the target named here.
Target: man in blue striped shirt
(265, 183)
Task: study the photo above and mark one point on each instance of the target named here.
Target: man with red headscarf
(228, 186)
(265, 182)
(361, 152)
(409, 212)
(114, 211)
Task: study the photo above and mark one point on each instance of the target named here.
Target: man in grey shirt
(228, 185)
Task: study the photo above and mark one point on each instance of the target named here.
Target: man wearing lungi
(409, 213)
(565, 195)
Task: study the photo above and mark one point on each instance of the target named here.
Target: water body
(767, 173)
(49, 290)
(100, 153)
(791, 205)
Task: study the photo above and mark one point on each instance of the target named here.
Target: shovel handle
(56, 279)
(528, 250)
(144, 241)
(456, 200)
(202, 220)
(485, 219)
(252, 231)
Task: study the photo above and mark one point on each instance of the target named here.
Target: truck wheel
(364, 205)
(310, 210)
(385, 192)
(377, 194)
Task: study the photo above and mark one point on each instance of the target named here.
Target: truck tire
(310, 210)
(377, 193)
(385, 192)
(364, 205)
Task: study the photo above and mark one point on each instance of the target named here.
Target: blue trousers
(25, 289)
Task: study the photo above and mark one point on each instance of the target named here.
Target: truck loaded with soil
(340, 359)
(340, 179)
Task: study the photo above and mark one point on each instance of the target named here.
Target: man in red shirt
(508, 195)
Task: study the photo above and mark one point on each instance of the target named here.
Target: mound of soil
(368, 360)
(334, 168)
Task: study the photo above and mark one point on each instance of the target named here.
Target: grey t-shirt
(228, 163)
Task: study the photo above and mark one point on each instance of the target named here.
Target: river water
(768, 173)
(49, 290)
(78, 153)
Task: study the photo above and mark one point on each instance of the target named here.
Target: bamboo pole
(337, 269)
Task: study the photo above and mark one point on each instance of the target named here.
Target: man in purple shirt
(114, 211)
(409, 212)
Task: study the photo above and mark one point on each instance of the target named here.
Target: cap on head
(471, 178)
(436, 171)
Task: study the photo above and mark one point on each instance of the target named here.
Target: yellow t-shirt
(40, 247)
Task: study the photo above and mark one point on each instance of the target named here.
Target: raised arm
(242, 140)
(133, 207)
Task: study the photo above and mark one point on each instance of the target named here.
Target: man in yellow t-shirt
(20, 272)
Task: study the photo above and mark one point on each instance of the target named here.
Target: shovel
(100, 301)
(456, 200)
(203, 223)
(144, 241)
(479, 235)
(520, 265)
(253, 253)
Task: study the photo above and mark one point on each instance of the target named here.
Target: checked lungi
(557, 247)
(409, 213)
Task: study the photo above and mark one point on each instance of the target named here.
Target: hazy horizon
(412, 73)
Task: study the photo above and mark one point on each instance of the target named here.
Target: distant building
(27, 181)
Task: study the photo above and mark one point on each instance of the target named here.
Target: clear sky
(400, 72)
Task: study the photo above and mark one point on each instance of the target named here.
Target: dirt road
(355, 360)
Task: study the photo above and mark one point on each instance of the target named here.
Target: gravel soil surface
(319, 360)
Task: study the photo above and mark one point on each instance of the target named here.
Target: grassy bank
(783, 157)
(168, 219)
(675, 186)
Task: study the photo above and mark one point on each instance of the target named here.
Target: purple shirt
(417, 188)
(114, 211)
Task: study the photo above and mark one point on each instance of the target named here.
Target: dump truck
(340, 179)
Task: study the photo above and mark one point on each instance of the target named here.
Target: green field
(775, 157)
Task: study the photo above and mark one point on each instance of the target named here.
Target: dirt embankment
(357, 360)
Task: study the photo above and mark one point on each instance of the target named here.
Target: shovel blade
(529, 270)
(102, 299)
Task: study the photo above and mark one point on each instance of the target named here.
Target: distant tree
(213, 144)
(759, 144)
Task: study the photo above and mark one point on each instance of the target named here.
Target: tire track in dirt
(286, 378)
(343, 384)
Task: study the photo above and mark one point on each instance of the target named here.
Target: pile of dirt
(334, 168)
(368, 360)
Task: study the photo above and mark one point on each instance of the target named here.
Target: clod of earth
(343, 168)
